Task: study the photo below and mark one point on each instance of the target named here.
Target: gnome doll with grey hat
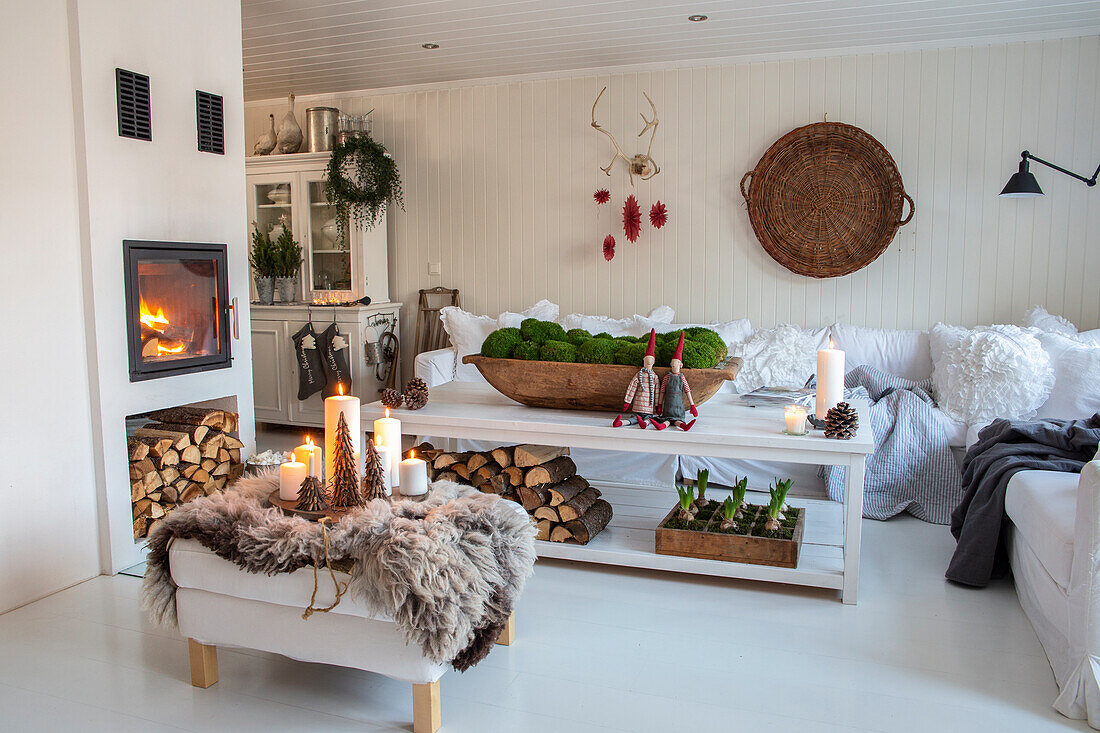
(674, 400)
(641, 395)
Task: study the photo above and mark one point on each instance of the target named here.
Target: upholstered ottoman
(218, 603)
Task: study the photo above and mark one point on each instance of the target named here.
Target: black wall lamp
(1022, 184)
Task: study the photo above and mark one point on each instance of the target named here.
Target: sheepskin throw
(448, 569)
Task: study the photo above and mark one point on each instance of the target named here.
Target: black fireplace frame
(133, 250)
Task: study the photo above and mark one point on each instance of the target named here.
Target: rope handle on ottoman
(912, 210)
(745, 178)
(340, 589)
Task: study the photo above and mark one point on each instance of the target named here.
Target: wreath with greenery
(360, 181)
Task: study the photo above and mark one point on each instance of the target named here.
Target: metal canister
(321, 128)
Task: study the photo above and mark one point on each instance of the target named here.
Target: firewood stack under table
(181, 453)
(542, 478)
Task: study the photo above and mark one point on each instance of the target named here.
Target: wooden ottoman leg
(204, 663)
(508, 633)
(427, 715)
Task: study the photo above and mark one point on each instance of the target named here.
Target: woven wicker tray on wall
(826, 199)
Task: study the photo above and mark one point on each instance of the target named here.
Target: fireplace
(178, 309)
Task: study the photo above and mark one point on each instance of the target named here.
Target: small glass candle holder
(794, 416)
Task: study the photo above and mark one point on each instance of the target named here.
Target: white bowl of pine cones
(413, 397)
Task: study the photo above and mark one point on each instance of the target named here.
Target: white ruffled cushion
(989, 372)
(1076, 393)
(1090, 337)
(616, 326)
(784, 356)
(468, 331)
(1038, 317)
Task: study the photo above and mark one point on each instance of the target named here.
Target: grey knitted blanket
(912, 468)
(448, 570)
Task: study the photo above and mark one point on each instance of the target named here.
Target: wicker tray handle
(912, 210)
(746, 193)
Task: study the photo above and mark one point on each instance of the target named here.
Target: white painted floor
(597, 649)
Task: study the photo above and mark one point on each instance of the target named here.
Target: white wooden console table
(726, 429)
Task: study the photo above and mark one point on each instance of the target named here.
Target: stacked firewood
(179, 454)
(542, 478)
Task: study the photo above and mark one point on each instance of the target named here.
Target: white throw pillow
(616, 326)
(784, 356)
(731, 332)
(1076, 393)
(894, 351)
(989, 372)
(468, 331)
(1038, 317)
(1090, 337)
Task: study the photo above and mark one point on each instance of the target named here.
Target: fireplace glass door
(177, 307)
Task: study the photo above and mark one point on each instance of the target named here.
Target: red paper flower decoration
(632, 218)
(609, 248)
(602, 196)
(658, 215)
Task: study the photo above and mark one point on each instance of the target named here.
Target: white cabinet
(275, 367)
(334, 268)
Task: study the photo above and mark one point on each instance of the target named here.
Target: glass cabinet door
(330, 257)
(272, 199)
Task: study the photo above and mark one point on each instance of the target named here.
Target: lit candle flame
(387, 412)
(831, 344)
(340, 388)
(412, 454)
(309, 440)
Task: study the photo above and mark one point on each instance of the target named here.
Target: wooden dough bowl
(585, 386)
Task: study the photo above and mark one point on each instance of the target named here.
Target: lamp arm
(1088, 181)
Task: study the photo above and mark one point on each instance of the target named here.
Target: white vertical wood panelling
(499, 181)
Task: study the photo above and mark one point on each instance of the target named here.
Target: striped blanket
(912, 468)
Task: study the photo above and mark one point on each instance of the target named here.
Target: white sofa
(1054, 532)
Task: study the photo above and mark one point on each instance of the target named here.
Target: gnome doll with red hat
(675, 395)
(641, 395)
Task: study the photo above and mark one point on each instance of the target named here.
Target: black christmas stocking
(334, 355)
(311, 372)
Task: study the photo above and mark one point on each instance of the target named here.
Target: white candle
(302, 452)
(387, 432)
(413, 476)
(795, 418)
(387, 467)
(291, 476)
(830, 380)
(348, 406)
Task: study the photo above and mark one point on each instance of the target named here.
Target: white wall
(499, 179)
(48, 537)
(163, 190)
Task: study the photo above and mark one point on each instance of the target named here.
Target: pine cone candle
(841, 422)
(391, 398)
(415, 393)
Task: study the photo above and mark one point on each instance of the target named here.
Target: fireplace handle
(236, 330)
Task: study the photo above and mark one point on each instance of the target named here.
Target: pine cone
(841, 422)
(415, 393)
(392, 398)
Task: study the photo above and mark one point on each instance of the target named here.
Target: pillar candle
(291, 476)
(387, 432)
(413, 476)
(302, 452)
(348, 405)
(387, 466)
(830, 380)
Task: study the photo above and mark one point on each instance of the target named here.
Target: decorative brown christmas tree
(311, 496)
(344, 486)
(374, 478)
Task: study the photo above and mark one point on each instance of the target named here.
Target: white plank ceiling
(318, 46)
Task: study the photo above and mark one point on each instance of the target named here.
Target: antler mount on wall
(640, 164)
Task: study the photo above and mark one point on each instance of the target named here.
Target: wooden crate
(730, 547)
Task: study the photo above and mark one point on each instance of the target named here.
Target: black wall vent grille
(208, 109)
(134, 116)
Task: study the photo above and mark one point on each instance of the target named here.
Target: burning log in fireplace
(178, 455)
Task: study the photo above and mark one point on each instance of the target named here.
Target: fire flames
(159, 323)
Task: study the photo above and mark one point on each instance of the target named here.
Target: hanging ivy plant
(360, 181)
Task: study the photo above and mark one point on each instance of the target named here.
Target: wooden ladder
(430, 334)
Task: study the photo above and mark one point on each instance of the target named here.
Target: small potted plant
(288, 263)
(263, 261)
(731, 507)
